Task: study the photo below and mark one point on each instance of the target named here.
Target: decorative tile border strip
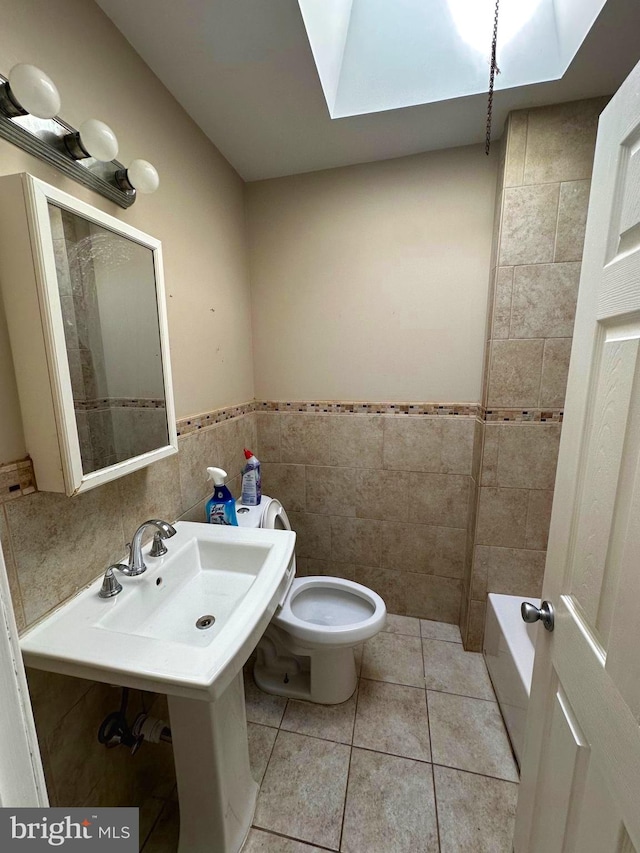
(335, 407)
(16, 479)
(119, 403)
(524, 416)
(185, 426)
(465, 410)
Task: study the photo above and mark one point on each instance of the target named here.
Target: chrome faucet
(136, 565)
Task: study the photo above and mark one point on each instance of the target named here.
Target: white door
(580, 788)
(21, 777)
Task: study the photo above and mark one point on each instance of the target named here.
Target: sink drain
(205, 622)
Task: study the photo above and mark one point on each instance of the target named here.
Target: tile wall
(377, 498)
(53, 546)
(541, 210)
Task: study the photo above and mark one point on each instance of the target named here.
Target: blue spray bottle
(221, 506)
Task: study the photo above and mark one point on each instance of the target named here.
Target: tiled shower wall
(541, 210)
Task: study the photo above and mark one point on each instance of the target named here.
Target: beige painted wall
(370, 282)
(198, 212)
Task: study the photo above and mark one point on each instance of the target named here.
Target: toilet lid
(274, 516)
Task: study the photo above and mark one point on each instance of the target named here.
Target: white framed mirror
(85, 305)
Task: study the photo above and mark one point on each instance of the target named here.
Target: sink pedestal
(216, 790)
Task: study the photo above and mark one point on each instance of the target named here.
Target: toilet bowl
(307, 651)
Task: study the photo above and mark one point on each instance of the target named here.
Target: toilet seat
(331, 611)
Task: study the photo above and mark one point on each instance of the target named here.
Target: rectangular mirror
(93, 285)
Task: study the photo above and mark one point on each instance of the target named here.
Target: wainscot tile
(196, 452)
(313, 534)
(439, 499)
(305, 439)
(555, 369)
(538, 519)
(381, 495)
(286, 483)
(421, 548)
(268, 433)
(356, 438)
(528, 455)
(388, 583)
(330, 491)
(355, 540)
(502, 517)
(512, 571)
(60, 543)
(514, 378)
(431, 597)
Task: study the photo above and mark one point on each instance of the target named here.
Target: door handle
(544, 613)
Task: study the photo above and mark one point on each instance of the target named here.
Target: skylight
(375, 55)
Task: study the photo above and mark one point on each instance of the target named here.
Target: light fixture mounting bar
(44, 138)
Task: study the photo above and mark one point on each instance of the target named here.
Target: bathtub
(509, 646)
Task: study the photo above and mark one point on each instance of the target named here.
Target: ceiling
(245, 72)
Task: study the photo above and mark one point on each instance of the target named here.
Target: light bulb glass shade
(98, 139)
(34, 91)
(143, 176)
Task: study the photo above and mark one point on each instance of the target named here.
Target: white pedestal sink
(147, 638)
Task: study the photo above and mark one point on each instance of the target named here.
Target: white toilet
(307, 651)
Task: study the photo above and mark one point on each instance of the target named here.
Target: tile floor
(416, 761)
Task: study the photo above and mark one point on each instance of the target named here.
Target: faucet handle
(110, 584)
(158, 549)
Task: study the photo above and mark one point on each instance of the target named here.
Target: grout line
(309, 844)
(266, 767)
(477, 773)
(154, 825)
(461, 695)
(440, 640)
(346, 790)
(433, 774)
(435, 805)
(393, 754)
(315, 737)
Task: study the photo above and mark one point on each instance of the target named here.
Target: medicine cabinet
(84, 299)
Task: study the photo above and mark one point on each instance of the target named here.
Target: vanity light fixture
(141, 176)
(29, 91)
(93, 139)
(29, 106)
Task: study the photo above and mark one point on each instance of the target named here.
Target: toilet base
(283, 667)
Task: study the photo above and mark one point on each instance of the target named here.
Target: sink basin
(147, 637)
